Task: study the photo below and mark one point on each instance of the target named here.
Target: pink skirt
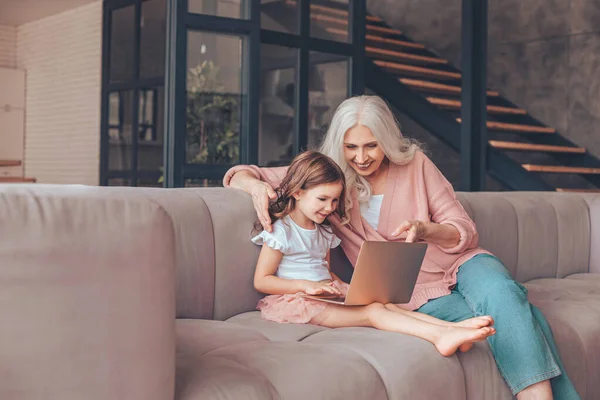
(296, 309)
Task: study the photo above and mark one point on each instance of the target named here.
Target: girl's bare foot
(476, 322)
(463, 348)
(451, 338)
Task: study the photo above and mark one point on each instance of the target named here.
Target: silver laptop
(385, 272)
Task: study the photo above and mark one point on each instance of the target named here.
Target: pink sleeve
(273, 176)
(445, 208)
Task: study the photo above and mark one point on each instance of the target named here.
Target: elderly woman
(397, 193)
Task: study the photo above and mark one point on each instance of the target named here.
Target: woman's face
(361, 150)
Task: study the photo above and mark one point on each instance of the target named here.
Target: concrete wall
(543, 55)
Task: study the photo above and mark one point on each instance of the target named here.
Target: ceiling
(17, 12)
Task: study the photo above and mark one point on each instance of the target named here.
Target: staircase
(8, 175)
(524, 154)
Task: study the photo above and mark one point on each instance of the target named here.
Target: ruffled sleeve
(276, 240)
(335, 242)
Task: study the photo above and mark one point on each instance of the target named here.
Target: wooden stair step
(395, 42)
(16, 179)
(412, 69)
(456, 104)
(10, 163)
(438, 87)
(502, 126)
(578, 190)
(520, 146)
(334, 11)
(340, 21)
(383, 29)
(561, 169)
(379, 39)
(406, 56)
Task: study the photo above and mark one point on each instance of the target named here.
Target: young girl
(294, 261)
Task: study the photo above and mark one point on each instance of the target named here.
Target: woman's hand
(444, 235)
(416, 230)
(316, 288)
(261, 192)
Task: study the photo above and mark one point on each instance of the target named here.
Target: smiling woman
(356, 141)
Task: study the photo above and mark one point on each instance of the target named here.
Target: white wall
(8, 46)
(62, 56)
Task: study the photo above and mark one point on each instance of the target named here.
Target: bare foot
(451, 338)
(463, 348)
(476, 322)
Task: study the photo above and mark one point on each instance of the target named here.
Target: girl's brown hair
(307, 170)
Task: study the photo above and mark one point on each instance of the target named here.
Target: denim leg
(562, 387)
(520, 347)
(451, 308)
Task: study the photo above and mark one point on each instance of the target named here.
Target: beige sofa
(91, 280)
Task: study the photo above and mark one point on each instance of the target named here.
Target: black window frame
(179, 21)
(136, 85)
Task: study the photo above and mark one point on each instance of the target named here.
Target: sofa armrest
(86, 295)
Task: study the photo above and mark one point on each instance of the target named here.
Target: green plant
(212, 118)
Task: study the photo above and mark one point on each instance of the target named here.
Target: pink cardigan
(415, 191)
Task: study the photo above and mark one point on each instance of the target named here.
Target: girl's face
(361, 150)
(316, 203)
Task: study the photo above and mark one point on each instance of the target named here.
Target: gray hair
(373, 113)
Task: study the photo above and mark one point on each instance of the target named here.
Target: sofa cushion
(393, 355)
(274, 331)
(572, 308)
(223, 360)
(264, 360)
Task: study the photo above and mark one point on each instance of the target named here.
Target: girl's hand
(261, 193)
(316, 288)
(417, 230)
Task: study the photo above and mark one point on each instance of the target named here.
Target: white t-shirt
(370, 211)
(304, 250)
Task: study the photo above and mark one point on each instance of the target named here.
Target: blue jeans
(523, 345)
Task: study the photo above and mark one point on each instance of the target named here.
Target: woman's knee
(489, 274)
(481, 268)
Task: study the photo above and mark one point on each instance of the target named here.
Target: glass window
(120, 126)
(122, 44)
(327, 88)
(147, 116)
(119, 182)
(329, 20)
(221, 8)
(150, 182)
(150, 129)
(281, 16)
(214, 98)
(153, 32)
(277, 105)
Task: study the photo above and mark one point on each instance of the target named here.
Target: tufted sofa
(130, 293)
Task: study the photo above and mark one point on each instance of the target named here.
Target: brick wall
(62, 57)
(8, 46)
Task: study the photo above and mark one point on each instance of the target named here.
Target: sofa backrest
(537, 235)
